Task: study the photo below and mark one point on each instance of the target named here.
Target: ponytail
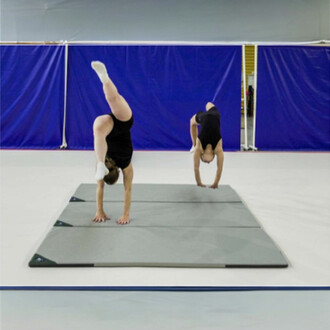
(112, 176)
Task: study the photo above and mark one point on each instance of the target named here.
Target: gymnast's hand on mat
(123, 220)
(100, 217)
(201, 185)
(214, 186)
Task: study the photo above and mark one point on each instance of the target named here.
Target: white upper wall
(165, 20)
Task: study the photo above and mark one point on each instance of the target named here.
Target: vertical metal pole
(66, 45)
(253, 147)
(244, 98)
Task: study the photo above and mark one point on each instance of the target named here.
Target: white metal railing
(66, 62)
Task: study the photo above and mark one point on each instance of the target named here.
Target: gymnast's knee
(99, 126)
(209, 105)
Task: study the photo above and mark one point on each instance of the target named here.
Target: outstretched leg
(117, 103)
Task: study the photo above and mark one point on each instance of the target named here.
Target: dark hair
(112, 176)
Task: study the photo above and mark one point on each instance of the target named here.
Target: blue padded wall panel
(293, 99)
(164, 85)
(32, 93)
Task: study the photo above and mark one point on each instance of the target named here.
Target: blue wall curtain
(32, 83)
(164, 85)
(293, 98)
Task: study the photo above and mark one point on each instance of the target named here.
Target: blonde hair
(112, 176)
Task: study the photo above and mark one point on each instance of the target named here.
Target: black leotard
(210, 127)
(119, 142)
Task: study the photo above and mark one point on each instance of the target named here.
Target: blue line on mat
(165, 288)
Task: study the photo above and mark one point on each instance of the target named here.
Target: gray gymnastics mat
(158, 214)
(159, 193)
(158, 247)
(180, 226)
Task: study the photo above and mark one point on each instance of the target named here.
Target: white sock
(101, 71)
(192, 149)
(101, 171)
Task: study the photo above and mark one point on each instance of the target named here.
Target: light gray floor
(288, 193)
(257, 310)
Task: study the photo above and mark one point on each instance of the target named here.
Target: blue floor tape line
(165, 288)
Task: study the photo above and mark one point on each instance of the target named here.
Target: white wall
(165, 20)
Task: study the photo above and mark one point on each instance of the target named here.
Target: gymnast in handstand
(113, 146)
(208, 143)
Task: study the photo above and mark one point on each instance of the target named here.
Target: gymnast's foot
(101, 71)
(192, 150)
(101, 171)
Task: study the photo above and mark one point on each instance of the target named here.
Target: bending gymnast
(208, 143)
(113, 146)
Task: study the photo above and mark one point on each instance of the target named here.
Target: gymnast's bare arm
(197, 159)
(220, 156)
(128, 179)
(100, 214)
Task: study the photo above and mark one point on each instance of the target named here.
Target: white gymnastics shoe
(101, 70)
